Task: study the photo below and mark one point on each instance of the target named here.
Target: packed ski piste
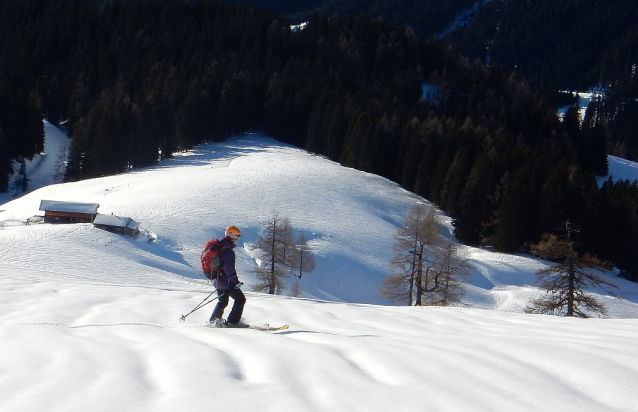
(101, 321)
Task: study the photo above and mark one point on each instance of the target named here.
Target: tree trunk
(271, 288)
(571, 291)
(412, 277)
(419, 279)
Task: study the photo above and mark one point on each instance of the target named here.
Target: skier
(226, 284)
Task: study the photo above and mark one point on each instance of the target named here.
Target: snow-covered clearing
(583, 101)
(41, 169)
(89, 320)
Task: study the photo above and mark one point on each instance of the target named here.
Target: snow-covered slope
(350, 217)
(78, 345)
(90, 319)
(620, 169)
(41, 170)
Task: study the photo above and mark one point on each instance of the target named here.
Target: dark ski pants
(238, 305)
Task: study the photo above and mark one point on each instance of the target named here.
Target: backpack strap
(221, 249)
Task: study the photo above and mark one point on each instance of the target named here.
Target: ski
(267, 328)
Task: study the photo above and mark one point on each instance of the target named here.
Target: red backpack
(210, 258)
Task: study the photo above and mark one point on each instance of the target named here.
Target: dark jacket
(228, 278)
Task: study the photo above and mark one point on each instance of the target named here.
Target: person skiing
(227, 283)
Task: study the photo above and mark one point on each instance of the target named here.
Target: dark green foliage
(569, 45)
(21, 131)
(426, 17)
(475, 206)
(611, 225)
(566, 43)
(513, 214)
(5, 163)
(620, 110)
(139, 80)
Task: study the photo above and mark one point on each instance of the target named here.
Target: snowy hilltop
(91, 319)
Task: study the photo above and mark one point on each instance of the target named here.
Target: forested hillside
(137, 81)
(568, 45)
(563, 45)
(427, 18)
(21, 131)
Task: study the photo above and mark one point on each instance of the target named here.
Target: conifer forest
(135, 81)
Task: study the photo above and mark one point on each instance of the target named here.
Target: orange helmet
(233, 233)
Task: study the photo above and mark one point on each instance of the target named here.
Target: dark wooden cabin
(117, 224)
(68, 212)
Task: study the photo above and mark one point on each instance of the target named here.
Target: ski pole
(199, 305)
(202, 304)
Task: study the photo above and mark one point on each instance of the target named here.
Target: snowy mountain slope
(42, 169)
(191, 198)
(90, 319)
(350, 217)
(620, 169)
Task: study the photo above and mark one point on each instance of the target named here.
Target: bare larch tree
(427, 270)
(566, 282)
(277, 253)
(305, 256)
(446, 276)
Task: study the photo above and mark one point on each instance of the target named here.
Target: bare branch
(427, 271)
(566, 282)
(277, 252)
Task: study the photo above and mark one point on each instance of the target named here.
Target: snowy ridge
(89, 320)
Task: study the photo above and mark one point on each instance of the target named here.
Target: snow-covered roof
(132, 224)
(71, 207)
(116, 221)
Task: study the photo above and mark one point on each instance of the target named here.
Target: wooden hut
(68, 212)
(117, 224)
